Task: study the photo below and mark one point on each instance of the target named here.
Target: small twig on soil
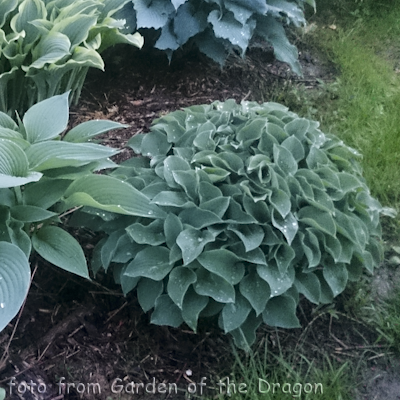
(114, 313)
(70, 211)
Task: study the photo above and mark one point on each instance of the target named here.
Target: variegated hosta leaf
(254, 207)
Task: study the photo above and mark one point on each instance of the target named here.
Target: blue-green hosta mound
(254, 208)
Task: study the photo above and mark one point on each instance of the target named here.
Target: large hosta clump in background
(217, 27)
(47, 47)
(253, 207)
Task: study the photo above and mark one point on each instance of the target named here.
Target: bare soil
(74, 337)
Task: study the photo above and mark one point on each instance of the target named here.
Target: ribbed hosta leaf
(51, 49)
(47, 119)
(55, 154)
(89, 129)
(110, 194)
(15, 277)
(61, 249)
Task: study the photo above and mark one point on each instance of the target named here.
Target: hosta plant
(38, 163)
(253, 207)
(47, 47)
(217, 27)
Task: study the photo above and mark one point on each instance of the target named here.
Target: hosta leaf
(127, 283)
(241, 11)
(47, 119)
(294, 13)
(278, 282)
(14, 166)
(311, 248)
(188, 23)
(256, 291)
(192, 241)
(76, 27)
(318, 219)
(284, 256)
(251, 131)
(150, 263)
(45, 193)
(211, 47)
(155, 144)
(179, 281)
(61, 249)
(348, 182)
(173, 199)
(13, 161)
(19, 237)
(151, 234)
(108, 248)
(198, 218)
(292, 143)
(233, 315)
(193, 305)
(89, 129)
(273, 31)
(26, 213)
(178, 3)
(336, 276)
(309, 285)
(281, 312)
(6, 121)
(171, 165)
(15, 277)
(6, 6)
(56, 154)
(245, 336)
(50, 49)
(152, 15)
(223, 263)
(251, 235)
(227, 27)
(322, 200)
(285, 160)
(172, 228)
(187, 180)
(217, 206)
(288, 226)
(148, 291)
(28, 11)
(166, 312)
(281, 201)
(209, 284)
(110, 194)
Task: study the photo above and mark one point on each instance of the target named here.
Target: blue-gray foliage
(217, 27)
(248, 207)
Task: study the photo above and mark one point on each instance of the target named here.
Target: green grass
(365, 109)
(265, 375)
